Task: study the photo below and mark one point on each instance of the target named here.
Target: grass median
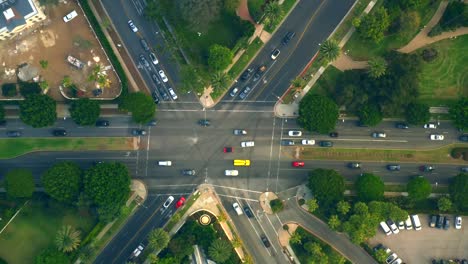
(438, 155)
(14, 147)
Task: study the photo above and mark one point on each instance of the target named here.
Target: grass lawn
(347, 23)
(10, 148)
(445, 79)
(325, 85)
(439, 155)
(35, 227)
(246, 57)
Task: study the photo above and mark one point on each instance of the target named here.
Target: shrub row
(460, 152)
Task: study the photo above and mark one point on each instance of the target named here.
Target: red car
(180, 202)
(298, 164)
(227, 149)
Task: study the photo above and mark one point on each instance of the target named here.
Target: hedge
(9, 89)
(457, 153)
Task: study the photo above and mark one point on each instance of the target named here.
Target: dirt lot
(428, 243)
(53, 42)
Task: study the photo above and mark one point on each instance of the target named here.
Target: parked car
(164, 95)
(440, 221)
(294, 133)
(437, 137)
(464, 169)
(393, 167)
(70, 16)
(246, 75)
(391, 258)
(153, 58)
(401, 125)
(401, 225)
(333, 134)
(188, 172)
(245, 92)
(238, 132)
(393, 226)
(275, 54)
(204, 122)
(308, 142)
(172, 93)
(385, 228)
(416, 222)
(144, 61)
(234, 92)
(458, 222)
(287, 142)
(180, 202)
(237, 209)
(430, 125)
(144, 44)
(432, 220)
(138, 132)
(379, 135)
(59, 132)
(247, 144)
(13, 133)
(289, 36)
(155, 96)
(354, 165)
(132, 26)
(102, 123)
(446, 223)
(408, 223)
(168, 201)
(163, 76)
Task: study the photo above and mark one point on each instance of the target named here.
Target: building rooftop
(14, 13)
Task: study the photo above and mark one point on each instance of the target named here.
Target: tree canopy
(141, 105)
(459, 113)
(219, 58)
(63, 181)
(330, 50)
(19, 183)
(455, 15)
(417, 113)
(38, 110)
(2, 112)
(85, 112)
(52, 256)
(327, 186)
(418, 188)
(108, 185)
(369, 187)
(458, 189)
(220, 250)
(158, 239)
(318, 113)
(374, 25)
(370, 115)
(377, 67)
(199, 14)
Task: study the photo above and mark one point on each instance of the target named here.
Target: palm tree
(67, 239)
(330, 50)
(158, 239)
(295, 238)
(273, 11)
(86, 253)
(220, 250)
(219, 80)
(377, 67)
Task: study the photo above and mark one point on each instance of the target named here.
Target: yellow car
(241, 162)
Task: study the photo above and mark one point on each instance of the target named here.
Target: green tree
(295, 238)
(455, 15)
(67, 81)
(152, 10)
(327, 186)
(377, 67)
(458, 189)
(334, 222)
(219, 80)
(374, 25)
(38, 110)
(343, 207)
(85, 112)
(108, 186)
(52, 256)
(370, 115)
(444, 204)
(231, 5)
(381, 255)
(418, 188)
(87, 253)
(140, 105)
(408, 23)
(273, 12)
(44, 64)
(330, 50)
(417, 113)
(361, 224)
(67, 239)
(63, 181)
(158, 239)
(369, 187)
(220, 250)
(459, 113)
(312, 205)
(276, 205)
(318, 113)
(19, 183)
(219, 57)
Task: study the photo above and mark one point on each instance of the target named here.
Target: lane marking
(233, 188)
(271, 150)
(213, 110)
(237, 197)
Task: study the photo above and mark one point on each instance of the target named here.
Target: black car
(354, 165)
(155, 79)
(102, 123)
(290, 35)
(3, 122)
(433, 221)
(164, 95)
(333, 134)
(326, 144)
(144, 44)
(401, 125)
(59, 132)
(265, 240)
(286, 142)
(248, 212)
(393, 167)
(138, 132)
(144, 61)
(427, 168)
(247, 73)
(440, 221)
(152, 122)
(464, 169)
(13, 133)
(188, 172)
(204, 122)
(463, 138)
(155, 97)
(446, 223)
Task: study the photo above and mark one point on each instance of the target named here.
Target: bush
(436, 30)
(301, 201)
(457, 153)
(28, 88)
(276, 205)
(9, 89)
(430, 54)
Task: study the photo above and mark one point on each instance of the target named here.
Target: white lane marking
(279, 154)
(233, 188)
(100, 158)
(237, 197)
(271, 150)
(147, 152)
(370, 140)
(212, 110)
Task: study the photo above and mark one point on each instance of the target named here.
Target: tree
(455, 15)
(141, 105)
(458, 189)
(381, 255)
(377, 67)
(219, 57)
(44, 64)
(418, 188)
(330, 50)
(312, 205)
(158, 239)
(295, 238)
(52, 256)
(361, 224)
(408, 23)
(327, 186)
(86, 253)
(273, 12)
(334, 222)
(459, 113)
(199, 14)
(276, 205)
(343, 207)
(444, 204)
(108, 185)
(369, 187)
(38, 110)
(374, 25)
(67, 239)
(231, 5)
(63, 181)
(417, 113)
(370, 115)
(44, 85)
(152, 10)
(318, 113)
(19, 183)
(219, 80)
(220, 250)
(85, 112)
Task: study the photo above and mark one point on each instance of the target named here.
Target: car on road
(231, 172)
(102, 123)
(446, 223)
(239, 132)
(163, 76)
(227, 149)
(391, 258)
(172, 93)
(437, 137)
(13, 133)
(393, 167)
(308, 142)
(298, 164)
(326, 144)
(430, 125)
(237, 209)
(247, 144)
(144, 44)
(463, 138)
(246, 75)
(458, 222)
(164, 95)
(401, 125)
(248, 212)
(59, 132)
(464, 169)
(168, 201)
(261, 70)
(333, 134)
(188, 172)
(440, 221)
(137, 251)
(144, 61)
(393, 226)
(180, 202)
(427, 168)
(153, 58)
(70, 16)
(155, 79)
(204, 122)
(155, 96)
(379, 135)
(245, 92)
(234, 92)
(294, 133)
(265, 240)
(354, 165)
(132, 26)
(275, 54)
(152, 122)
(244, 163)
(287, 142)
(138, 132)
(289, 36)
(433, 221)
(165, 163)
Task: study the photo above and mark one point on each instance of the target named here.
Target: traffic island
(265, 199)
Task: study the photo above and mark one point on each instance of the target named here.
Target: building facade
(18, 15)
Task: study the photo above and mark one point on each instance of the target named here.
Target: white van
(416, 222)
(408, 223)
(385, 228)
(166, 163)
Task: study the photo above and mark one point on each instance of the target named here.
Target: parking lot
(428, 243)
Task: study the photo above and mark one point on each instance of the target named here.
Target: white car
(294, 133)
(430, 125)
(393, 227)
(163, 76)
(237, 209)
(379, 135)
(172, 93)
(391, 258)
(437, 137)
(308, 142)
(408, 224)
(132, 26)
(231, 172)
(247, 144)
(397, 261)
(275, 54)
(168, 202)
(458, 222)
(137, 251)
(153, 58)
(70, 16)
(165, 163)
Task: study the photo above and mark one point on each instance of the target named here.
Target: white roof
(9, 14)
